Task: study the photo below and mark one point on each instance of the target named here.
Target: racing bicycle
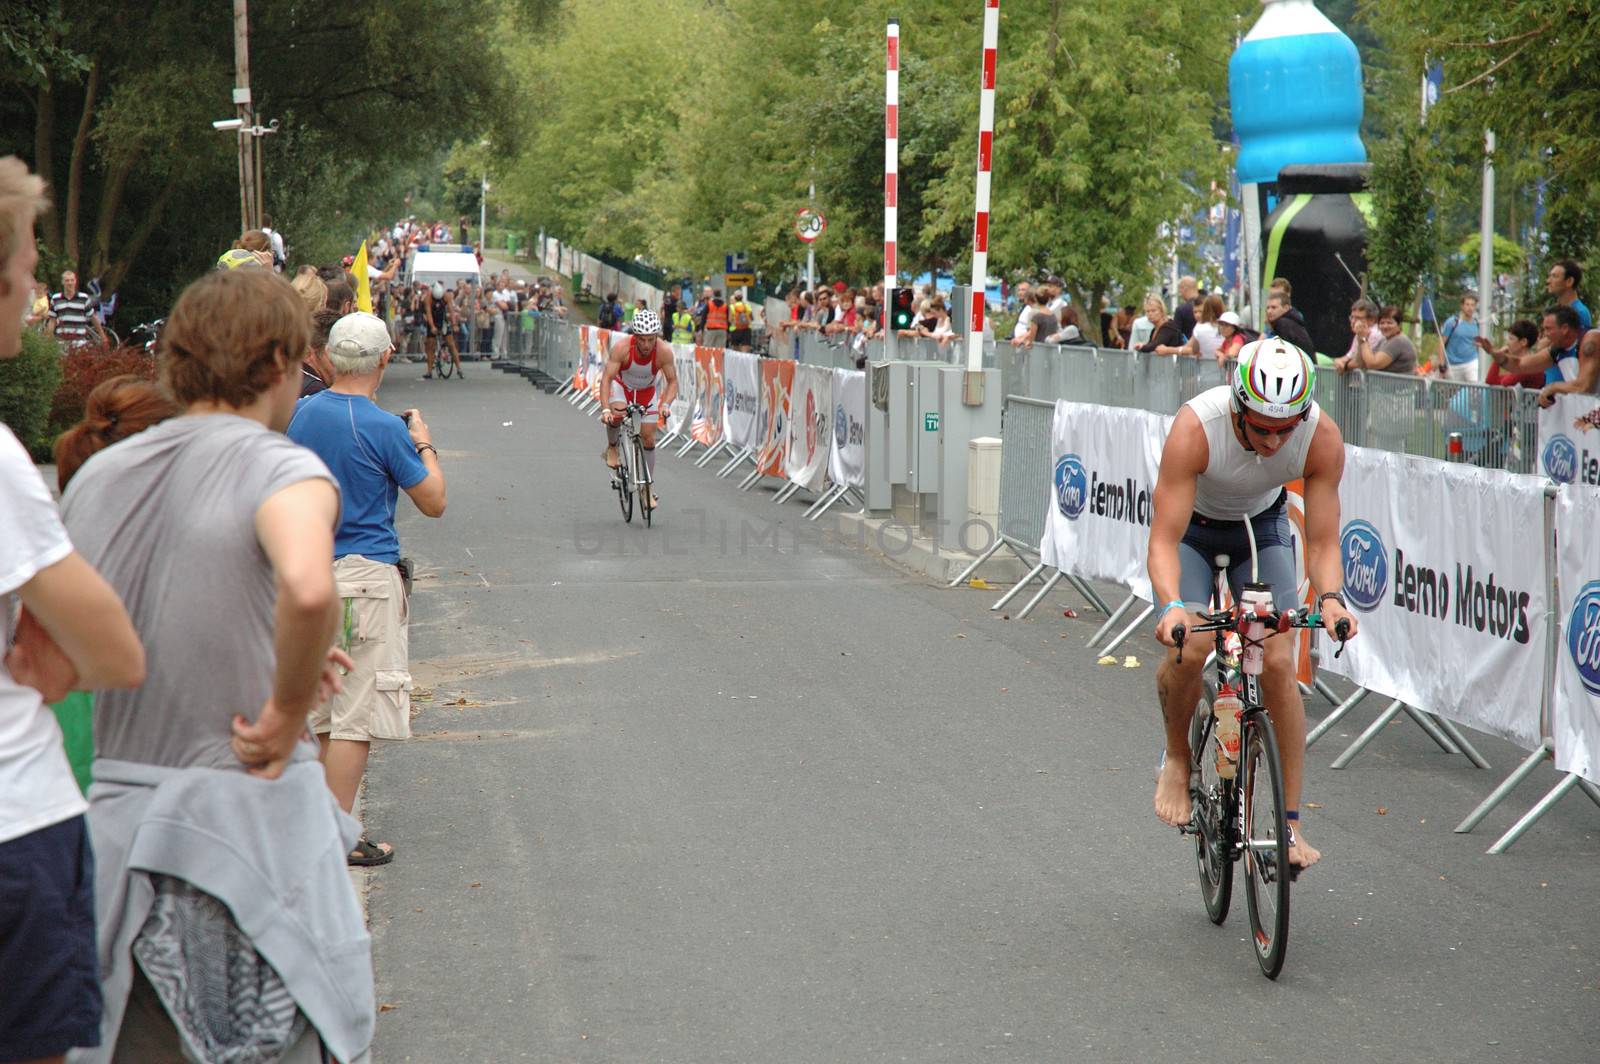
(1241, 815)
(633, 472)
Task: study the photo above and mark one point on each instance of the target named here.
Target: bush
(27, 387)
(87, 367)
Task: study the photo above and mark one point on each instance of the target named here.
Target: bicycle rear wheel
(624, 484)
(1212, 797)
(1266, 838)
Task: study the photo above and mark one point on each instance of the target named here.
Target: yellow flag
(363, 282)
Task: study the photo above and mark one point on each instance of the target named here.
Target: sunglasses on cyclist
(1271, 430)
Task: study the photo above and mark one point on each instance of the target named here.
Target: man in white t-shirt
(505, 301)
(73, 634)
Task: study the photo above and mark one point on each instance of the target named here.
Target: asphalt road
(695, 793)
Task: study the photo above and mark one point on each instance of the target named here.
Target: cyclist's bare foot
(655, 501)
(1172, 792)
(611, 457)
(1301, 853)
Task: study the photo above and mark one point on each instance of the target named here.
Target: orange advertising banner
(579, 372)
(597, 363)
(777, 378)
(706, 425)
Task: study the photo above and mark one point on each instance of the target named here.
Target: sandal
(368, 854)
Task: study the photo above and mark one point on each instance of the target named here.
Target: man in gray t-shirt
(170, 518)
(217, 532)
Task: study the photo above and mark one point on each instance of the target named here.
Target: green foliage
(1509, 258)
(1522, 68)
(368, 96)
(27, 384)
(31, 35)
(1098, 147)
(1402, 243)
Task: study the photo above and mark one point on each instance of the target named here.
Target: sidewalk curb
(900, 545)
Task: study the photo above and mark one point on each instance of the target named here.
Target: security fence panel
(1025, 469)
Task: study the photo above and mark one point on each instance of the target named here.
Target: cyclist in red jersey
(639, 369)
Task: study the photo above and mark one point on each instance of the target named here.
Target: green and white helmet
(1274, 379)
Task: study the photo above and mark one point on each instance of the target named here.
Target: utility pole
(1486, 276)
(249, 165)
(483, 199)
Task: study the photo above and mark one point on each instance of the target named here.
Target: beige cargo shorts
(376, 700)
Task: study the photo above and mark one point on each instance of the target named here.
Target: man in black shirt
(1183, 313)
(1281, 322)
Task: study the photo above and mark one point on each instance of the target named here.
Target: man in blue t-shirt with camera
(374, 455)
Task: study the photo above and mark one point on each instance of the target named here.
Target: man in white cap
(374, 455)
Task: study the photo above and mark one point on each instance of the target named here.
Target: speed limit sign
(809, 224)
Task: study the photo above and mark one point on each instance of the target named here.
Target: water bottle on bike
(1227, 708)
(1252, 598)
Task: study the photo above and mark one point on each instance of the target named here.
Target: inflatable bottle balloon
(1294, 85)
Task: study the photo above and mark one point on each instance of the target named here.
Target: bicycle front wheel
(624, 483)
(445, 366)
(641, 479)
(1266, 839)
(1213, 798)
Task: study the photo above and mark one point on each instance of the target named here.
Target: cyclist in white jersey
(639, 369)
(1230, 453)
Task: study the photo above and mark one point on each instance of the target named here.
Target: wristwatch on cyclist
(1337, 596)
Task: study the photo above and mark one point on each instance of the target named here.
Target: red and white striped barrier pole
(891, 158)
(980, 224)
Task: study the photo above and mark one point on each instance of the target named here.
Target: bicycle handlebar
(1276, 621)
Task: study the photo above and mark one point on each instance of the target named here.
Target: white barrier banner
(1102, 492)
(1569, 440)
(810, 414)
(681, 412)
(741, 374)
(847, 458)
(1444, 566)
(1575, 717)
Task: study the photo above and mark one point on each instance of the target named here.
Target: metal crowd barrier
(1024, 502)
(1485, 425)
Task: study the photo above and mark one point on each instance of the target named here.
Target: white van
(448, 263)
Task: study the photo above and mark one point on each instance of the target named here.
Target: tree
(1096, 149)
(1524, 69)
(1402, 243)
(146, 193)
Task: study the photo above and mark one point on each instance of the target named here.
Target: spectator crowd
(223, 572)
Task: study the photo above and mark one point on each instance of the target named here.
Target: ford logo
(841, 426)
(1366, 565)
(1583, 636)
(1072, 486)
(1560, 460)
